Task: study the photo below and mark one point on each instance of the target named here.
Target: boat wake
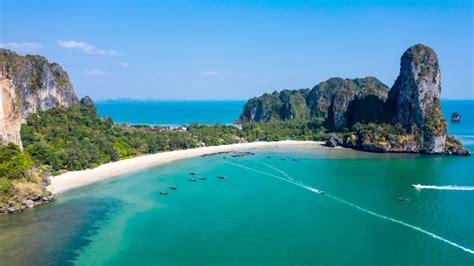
(280, 171)
(314, 190)
(272, 175)
(418, 186)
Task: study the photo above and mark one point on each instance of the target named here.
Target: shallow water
(255, 217)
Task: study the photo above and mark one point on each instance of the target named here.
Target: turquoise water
(171, 112)
(266, 213)
(255, 217)
(465, 129)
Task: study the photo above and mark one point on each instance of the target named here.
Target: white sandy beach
(76, 179)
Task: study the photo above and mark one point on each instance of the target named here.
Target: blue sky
(236, 50)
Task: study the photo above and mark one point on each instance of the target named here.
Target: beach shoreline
(75, 179)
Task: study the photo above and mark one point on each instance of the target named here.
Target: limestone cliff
(287, 104)
(340, 102)
(28, 84)
(414, 99)
(336, 100)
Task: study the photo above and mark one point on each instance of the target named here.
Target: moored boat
(404, 199)
(164, 193)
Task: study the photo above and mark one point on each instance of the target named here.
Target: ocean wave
(419, 186)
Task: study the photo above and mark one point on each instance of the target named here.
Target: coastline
(75, 179)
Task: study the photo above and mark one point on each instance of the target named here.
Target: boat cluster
(215, 153)
(232, 153)
(284, 159)
(194, 177)
(241, 154)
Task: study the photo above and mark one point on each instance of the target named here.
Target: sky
(191, 50)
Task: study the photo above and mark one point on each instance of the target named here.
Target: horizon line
(212, 100)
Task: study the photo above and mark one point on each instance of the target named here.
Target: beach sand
(74, 179)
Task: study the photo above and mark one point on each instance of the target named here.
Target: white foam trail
(272, 175)
(418, 186)
(309, 188)
(404, 224)
(280, 171)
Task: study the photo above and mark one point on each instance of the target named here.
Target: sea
(270, 210)
(170, 113)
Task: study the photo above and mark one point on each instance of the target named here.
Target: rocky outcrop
(17, 205)
(343, 102)
(339, 102)
(334, 140)
(456, 117)
(406, 118)
(287, 104)
(87, 101)
(414, 99)
(28, 84)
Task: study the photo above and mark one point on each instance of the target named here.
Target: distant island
(163, 100)
(46, 130)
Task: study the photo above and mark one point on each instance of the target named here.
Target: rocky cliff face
(288, 104)
(28, 84)
(414, 99)
(335, 100)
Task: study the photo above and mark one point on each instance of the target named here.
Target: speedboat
(164, 193)
(404, 199)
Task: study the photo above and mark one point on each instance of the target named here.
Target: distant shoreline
(215, 100)
(161, 100)
(75, 179)
(171, 126)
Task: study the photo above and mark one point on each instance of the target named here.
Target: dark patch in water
(54, 234)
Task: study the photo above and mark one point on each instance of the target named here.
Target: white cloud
(123, 64)
(87, 48)
(94, 72)
(25, 46)
(209, 73)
